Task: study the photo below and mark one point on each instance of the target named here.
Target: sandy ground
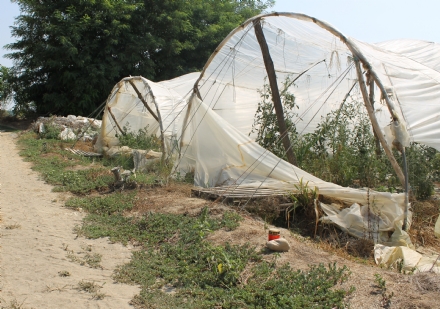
(38, 244)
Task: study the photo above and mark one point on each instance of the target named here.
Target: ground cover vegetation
(69, 54)
(176, 263)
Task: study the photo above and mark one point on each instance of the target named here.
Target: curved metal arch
(357, 54)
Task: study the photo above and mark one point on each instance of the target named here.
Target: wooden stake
(268, 63)
(375, 124)
(371, 95)
(143, 101)
(114, 119)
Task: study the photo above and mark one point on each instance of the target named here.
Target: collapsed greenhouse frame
(177, 121)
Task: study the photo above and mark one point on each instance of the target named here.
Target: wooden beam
(370, 82)
(114, 119)
(268, 63)
(185, 121)
(375, 124)
(143, 101)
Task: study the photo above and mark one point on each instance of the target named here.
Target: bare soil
(40, 255)
(37, 239)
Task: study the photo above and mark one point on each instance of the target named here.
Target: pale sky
(366, 20)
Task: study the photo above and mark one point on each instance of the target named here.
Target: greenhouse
(247, 121)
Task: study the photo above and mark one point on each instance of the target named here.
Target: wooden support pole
(185, 120)
(370, 82)
(375, 124)
(114, 119)
(270, 69)
(143, 101)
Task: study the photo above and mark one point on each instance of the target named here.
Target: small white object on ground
(280, 245)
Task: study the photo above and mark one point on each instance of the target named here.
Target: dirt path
(38, 246)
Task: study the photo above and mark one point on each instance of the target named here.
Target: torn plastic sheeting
(221, 155)
(363, 221)
(437, 228)
(397, 132)
(411, 260)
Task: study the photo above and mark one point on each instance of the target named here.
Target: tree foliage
(70, 53)
(5, 86)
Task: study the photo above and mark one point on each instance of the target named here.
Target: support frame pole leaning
(375, 124)
(270, 69)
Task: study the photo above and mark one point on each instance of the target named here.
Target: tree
(70, 53)
(5, 86)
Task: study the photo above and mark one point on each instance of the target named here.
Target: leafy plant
(423, 167)
(51, 131)
(386, 297)
(142, 139)
(303, 199)
(266, 123)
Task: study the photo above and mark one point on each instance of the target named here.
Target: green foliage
(5, 85)
(424, 169)
(53, 163)
(80, 182)
(342, 149)
(231, 220)
(205, 275)
(69, 54)
(106, 205)
(266, 123)
(303, 199)
(386, 297)
(139, 140)
(50, 131)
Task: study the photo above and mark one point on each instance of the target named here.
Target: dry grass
(79, 145)
(14, 304)
(12, 226)
(174, 198)
(92, 288)
(422, 229)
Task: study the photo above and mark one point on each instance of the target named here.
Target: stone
(67, 134)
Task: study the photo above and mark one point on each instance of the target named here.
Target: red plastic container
(274, 234)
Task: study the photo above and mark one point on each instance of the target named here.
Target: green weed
(51, 131)
(386, 297)
(141, 139)
(103, 205)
